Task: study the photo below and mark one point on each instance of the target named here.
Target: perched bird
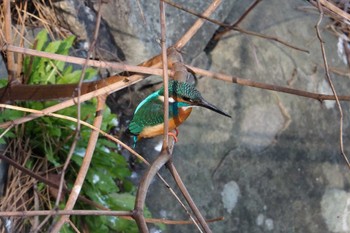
(148, 119)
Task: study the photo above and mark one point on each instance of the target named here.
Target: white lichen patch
(158, 147)
(269, 224)
(324, 88)
(260, 220)
(230, 195)
(340, 50)
(335, 207)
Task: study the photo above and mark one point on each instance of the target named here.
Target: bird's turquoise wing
(149, 114)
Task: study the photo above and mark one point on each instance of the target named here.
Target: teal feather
(151, 113)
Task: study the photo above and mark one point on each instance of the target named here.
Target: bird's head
(183, 92)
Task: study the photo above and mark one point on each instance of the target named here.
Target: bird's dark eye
(186, 99)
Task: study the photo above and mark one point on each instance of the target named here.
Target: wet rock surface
(276, 165)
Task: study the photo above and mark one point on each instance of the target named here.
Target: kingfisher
(148, 119)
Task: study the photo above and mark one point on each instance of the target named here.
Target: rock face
(135, 26)
(81, 20)
(281, 151)
(276, 165)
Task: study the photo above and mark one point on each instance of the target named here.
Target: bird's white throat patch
(171, 99)
(187, 107)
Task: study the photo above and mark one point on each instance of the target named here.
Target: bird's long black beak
(206, 104)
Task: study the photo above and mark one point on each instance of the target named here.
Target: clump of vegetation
(50, 138)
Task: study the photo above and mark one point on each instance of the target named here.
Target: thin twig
(21, 35)
(265, 86)
(82, 61)
(196, 26)
(36, 207)
(47, 182)
(218, 35)
(334, 9)
(41, 113)
(246, 12)
(165, 74)
(8, 36)
(236, 28)
(331, 84)
(64, 212)
(187, 196)
(72, 225)
(269, 38)
(85, 164)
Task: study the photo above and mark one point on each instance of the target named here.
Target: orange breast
(156, 130)
(183, 114)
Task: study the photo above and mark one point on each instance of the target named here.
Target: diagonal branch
(186, 194)
(162, 159)
(85, 164)
(195, 27)
(218, 35)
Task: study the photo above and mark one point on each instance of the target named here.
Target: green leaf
(53, 46)
(41, 39)
(65, 45)
(77, 159)
(55, 132)
(66, 229)
(3, 83)
(50, 155)
(106, 143)
(97, 224)
(67, 70)
(122, 201)
(90, 73)
(74, 77)
(101, 180)
(123, 225)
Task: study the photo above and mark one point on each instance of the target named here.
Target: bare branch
(162, 159)
(250, 83)
(187, 196)
(331, 84)
(195, 27)
(81, 61)
(165, 73)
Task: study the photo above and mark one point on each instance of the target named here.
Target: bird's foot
(176, 131)
(174, 135)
